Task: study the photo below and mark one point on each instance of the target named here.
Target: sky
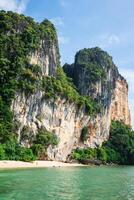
(108, 24)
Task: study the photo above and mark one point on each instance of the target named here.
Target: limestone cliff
(67, 121)
(46, 56)
(119, 109)
(96, 76)
(42, 100)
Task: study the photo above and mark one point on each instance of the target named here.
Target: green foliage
(29, 80)
(47, 30)
(2, 153)
(118, 149)
(82, 154)
(93, 61)
(26, 154)
(11, 150)
(25, 134)
(42, 141)
(69, 70)
(101, 154)
(45, 138)
(112, 155)
(84, 134)
(121, 141)
(38, 149)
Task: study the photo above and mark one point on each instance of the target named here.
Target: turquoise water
(76, 183)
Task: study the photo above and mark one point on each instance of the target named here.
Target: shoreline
(35, 164)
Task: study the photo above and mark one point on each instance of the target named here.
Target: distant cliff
(95, 75)
(48, 111)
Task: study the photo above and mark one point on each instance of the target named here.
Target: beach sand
(35, 164)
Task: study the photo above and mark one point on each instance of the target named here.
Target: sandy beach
(35, 164)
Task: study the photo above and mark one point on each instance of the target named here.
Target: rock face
(58, 116)
(96, 76)
(119, 108)
(46, 56)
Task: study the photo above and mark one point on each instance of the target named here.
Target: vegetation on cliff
(19, 35)
(62, 86)
(118, 149)
(94, 74)
(42, 141)
(93, 61)
(84, 134)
